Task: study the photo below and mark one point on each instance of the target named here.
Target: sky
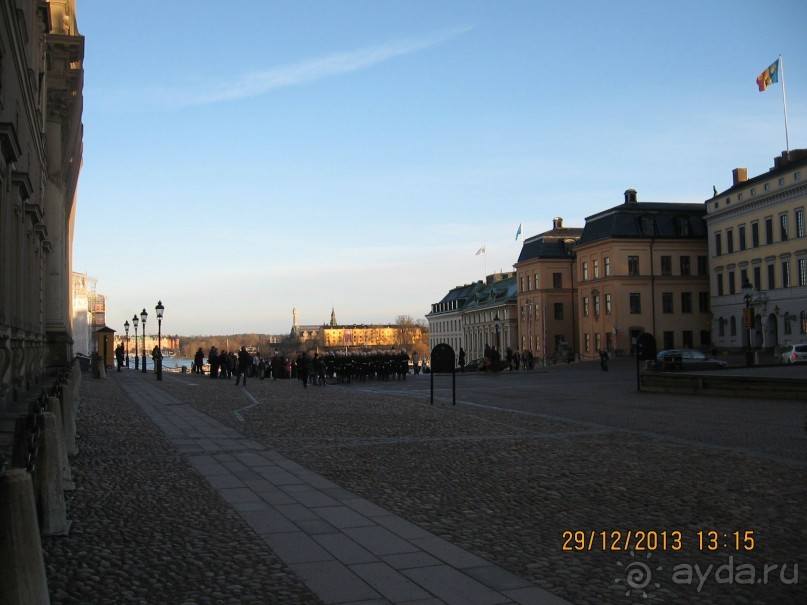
(245, 158)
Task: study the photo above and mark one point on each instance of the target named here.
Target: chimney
(739, 175)
(557, 223)
(630, 196)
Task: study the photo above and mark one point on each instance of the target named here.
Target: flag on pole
(480, 251)
(769, 76)
(518, 233)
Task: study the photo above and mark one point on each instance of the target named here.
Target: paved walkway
(345, 548)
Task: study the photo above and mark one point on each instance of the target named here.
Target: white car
(796, 353)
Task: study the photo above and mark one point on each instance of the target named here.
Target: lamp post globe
(158, 360)
(143, 317)
(135, 323)
(126, 329)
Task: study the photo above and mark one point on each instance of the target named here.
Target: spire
(333, 318)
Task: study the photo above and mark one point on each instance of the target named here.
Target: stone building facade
(547, 295)
(758, 256)
(41, 82)
(643, 267)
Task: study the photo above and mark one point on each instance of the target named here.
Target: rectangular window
(771, 278)
(755, 235)
(596, 269)
(757, 278)
(705, 338)
(769, 230)
(703, 266)
(686, 268)
(669, 340)
(558, 310)
(800, 222)
(686, 302)
(802, 272)
(522, 284)
(703, 302)
(633, 265)
(597, 341)
(729, 241)
(607, 266)
(666, 265)
(732, 286)
(587, 340)
(783, 227)
(585, 306)
(666, 304)
(635, 302)
(786, 274)
(743, 277)
(596, 304)
(719, 277)
(608, 303)
(688, 340)
(741, 237)
(585, 271)
(557, 280)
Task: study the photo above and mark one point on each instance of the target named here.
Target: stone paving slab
(345, 548)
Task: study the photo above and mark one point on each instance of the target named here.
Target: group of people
(225, 364)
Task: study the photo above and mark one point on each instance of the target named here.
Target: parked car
(796, 353)
(691, 359)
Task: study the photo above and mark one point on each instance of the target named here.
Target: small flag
(480, 251)
(518, 233)
(769, 76)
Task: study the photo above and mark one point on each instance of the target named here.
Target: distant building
(547, 297)
(477, 315)
(758, 249)
(643, 267)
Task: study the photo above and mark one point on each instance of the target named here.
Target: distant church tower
(333, 318)
(295, 328)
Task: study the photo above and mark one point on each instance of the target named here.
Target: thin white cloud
(303, 72)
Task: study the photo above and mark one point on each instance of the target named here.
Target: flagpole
(784, 102)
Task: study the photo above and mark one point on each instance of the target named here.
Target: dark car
(690, 359)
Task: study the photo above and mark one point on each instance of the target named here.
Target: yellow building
(758, 256)
(547, 300)
(375, 336)
(643, 267)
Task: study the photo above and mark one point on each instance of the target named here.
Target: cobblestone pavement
(146, 528)
(506, 485)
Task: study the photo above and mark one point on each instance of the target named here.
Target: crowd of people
(313, 369)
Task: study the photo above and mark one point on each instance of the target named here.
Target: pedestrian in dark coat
(243, 365)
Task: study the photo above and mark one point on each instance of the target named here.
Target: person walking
(213, 360)
(303, 369)
(198, 362)
(604, 360)
(462, 359)
(119, 356)
(243, 365)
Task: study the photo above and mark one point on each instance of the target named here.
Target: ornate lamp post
(143, 317)
(136, 322)
(126, 329)
(159, 362)
(748, 319)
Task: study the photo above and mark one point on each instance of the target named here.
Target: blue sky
(245, 158)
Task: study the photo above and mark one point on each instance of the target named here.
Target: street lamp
(748, 320)
(126, 329)
(143, 317)
(136, 322)
(159, 361)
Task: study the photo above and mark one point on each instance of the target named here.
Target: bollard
(55, 406)
(22, 566)
(48, 480)
(69, 421)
